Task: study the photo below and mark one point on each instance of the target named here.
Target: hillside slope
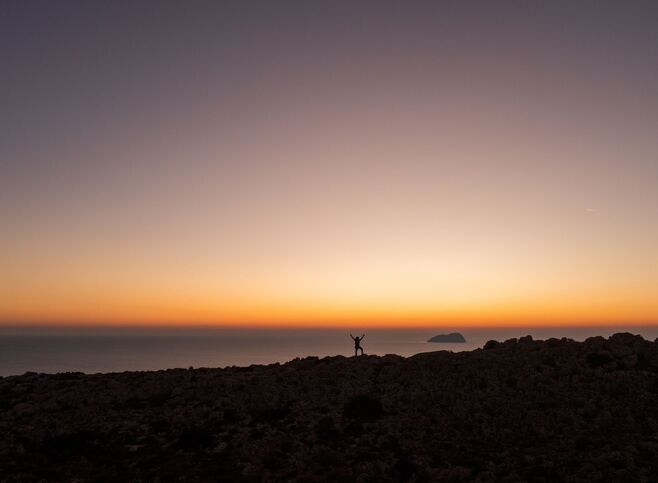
(518, 410)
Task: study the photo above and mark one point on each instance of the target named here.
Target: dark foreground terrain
(520, 410)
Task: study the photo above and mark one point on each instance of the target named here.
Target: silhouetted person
(357, 344)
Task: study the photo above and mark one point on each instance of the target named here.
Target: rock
(220, 448)
(23, 409)
(454, 337)
(491, 344)
(626, 338)
(598, 359)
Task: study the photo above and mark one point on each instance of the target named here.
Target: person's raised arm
(352, 336)
(363, 336)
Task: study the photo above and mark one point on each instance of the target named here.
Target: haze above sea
(103, 349)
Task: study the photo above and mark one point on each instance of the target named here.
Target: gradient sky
(402, 163)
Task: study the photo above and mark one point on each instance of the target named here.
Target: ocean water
(96, 350)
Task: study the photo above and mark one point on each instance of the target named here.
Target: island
(448, 338)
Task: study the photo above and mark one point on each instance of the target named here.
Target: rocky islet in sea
(454, 337)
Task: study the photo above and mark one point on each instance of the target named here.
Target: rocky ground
(521, 410)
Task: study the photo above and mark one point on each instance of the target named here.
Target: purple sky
(329, 161)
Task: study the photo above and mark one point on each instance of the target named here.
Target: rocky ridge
(520, 410)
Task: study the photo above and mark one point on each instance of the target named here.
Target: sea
(101, 350)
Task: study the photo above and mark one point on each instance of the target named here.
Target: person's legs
(361, 349)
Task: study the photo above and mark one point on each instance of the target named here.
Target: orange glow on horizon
(347, 170)
(390, 289)
(547, 314)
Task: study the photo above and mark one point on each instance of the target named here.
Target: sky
(323, 163)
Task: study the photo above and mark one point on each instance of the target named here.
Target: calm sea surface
(114, 350)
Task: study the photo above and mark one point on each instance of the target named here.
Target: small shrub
(597, 359)
(195, 438)
(363, 408)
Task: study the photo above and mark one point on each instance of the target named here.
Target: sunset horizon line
(356, 324)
